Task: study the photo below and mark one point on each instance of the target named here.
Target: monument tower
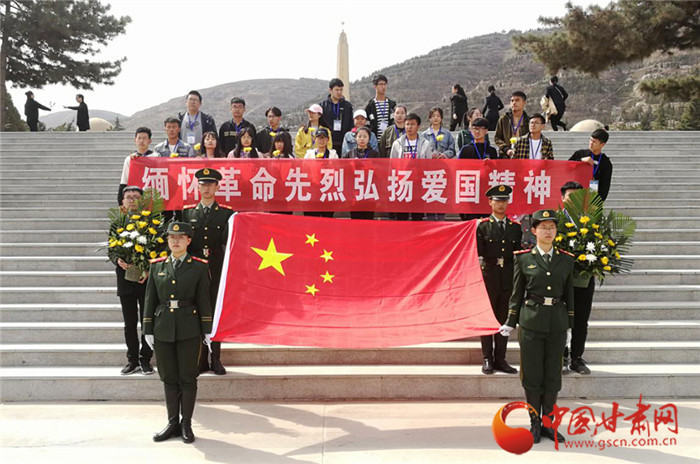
(343, 70)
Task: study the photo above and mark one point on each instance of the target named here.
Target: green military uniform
(542, 304)
(496, 240)
(178, 314)
(210, 233)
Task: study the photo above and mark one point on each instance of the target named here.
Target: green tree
(14, 121)
(690, 119)
(661, 119)
(117, 125)
(49, 42)
(645, 119)
(65, 127)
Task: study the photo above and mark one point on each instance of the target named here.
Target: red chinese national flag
(307, 281)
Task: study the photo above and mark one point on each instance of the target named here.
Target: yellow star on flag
(327, 255)
(327, 277)
(311, 289)
(271, 257)
(311, 239)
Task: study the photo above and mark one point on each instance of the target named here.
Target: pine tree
(690, 119)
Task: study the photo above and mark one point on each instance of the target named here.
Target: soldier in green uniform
(543, 304)
(209, 222)
(177, 317)
(497, 237)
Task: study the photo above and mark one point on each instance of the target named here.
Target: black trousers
(494, 346)
(132, 310)
(178, 365)
(583, 302)
(555, 120)
(541, 359)
(414, 216)
(369, 215)
(33, 126)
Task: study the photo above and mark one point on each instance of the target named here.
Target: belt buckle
(548, 301)
(173, 304)
(500, 262)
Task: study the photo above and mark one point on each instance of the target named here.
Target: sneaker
(131, 368)
(579, 365)
(146, 368)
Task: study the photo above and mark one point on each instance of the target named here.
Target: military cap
(179, 228)
(499, 192)
(544, 215)
(133, 188)
(208, 176)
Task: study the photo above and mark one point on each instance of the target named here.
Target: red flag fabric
(334, 283)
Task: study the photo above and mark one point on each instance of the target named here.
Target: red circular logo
(514, 440)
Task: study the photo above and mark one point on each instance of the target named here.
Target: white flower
(590, 246)
(125, 233)
(128, 245)
(572, 244)
(134, 234)
(142, 240)
(591, 258)
(603, 248)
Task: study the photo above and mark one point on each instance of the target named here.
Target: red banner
(381, 185)
(307, 281)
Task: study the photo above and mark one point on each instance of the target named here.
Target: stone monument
(343, 70)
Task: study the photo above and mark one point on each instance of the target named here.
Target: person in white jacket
(412, 144)
(321, 150)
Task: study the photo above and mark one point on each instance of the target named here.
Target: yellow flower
(604, 260)
(163, 254)
(138, 248)
(584, 231)
(513, 140)
(607, 268)
(610, 242)
(584, 219)
(160, 240)
(247, 149)
(319, 155)
(155, 221)
(198, 147)
(136, 216)
(617, 255)
(113, 243)
(145, 213)
(596, 226)
(129, 227)
(569, 225)
(581, 257)
(559, 238)
(572, 234)
(598, 235)
(142, 224)
(440, 137)
(173, 155)
(311, 129)
(120, 230)
(272, 134)
(276, 153)
(120, 242)
(153, 254)
(152, 231)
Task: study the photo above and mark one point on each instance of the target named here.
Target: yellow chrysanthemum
(607, 268)
(440, 137)
(598, 235)
(604, 260)
(112, 244)
(160, 240)
(584, 231)
(584, 219)
(152, 231)
(163, 254)
(198, 147)
(155, 222)
(610, 242)
(276, 152)
(138, 248)
(134, 217)
(572, 234)
(273, 134)
(173, 155)
(120, 230)
(569, 225)
(129, 227)
(513, 140)
(247, 149)
(596, 226)
(153, 254)
(145, 213)
(617, 255)
(581, 257)
(559, 238)
(143, 224)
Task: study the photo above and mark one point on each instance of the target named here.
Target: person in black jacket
(602, 167)
(337, 111)
(558, 95)
(492, 105)
(458, 100)
(31, 111)
(266, 136)
(83, 121)
(228, 132)
(194, 123)
(380, 109)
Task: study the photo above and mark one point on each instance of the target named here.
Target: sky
(174, 46)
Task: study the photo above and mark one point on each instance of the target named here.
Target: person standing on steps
(83, 118)
(31, 111)
(558, 95)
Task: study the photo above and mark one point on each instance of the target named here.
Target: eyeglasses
(132, 198)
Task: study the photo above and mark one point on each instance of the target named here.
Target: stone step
(659, 222)
(648, 293)
(665, 261)
(683, 210)
(52, 249)
(62, 236)
(447, 353)
(616, 203)
(633, 194)
(66, 312)
(664, 247)
(346, 383)
(47, 212)
(645, 310)
(69, 195)
(57, 278)
(656, 276)
(18, 295)
(113, 332)
(55, 263)
(669, 233)
(59, 223)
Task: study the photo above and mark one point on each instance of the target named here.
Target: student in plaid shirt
(534, 145)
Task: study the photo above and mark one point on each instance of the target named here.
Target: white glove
(150, 339)
(207, 341)
(568, 337)
(505, 330)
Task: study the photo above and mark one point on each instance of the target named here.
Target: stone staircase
(61, 335)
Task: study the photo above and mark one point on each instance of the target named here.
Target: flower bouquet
(136, 237)
(597, 240)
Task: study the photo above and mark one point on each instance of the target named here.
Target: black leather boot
(216, 365)
(549, 399)
(172, 404)
(188, 399)
(535, 400)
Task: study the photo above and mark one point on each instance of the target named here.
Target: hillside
(426, 81)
